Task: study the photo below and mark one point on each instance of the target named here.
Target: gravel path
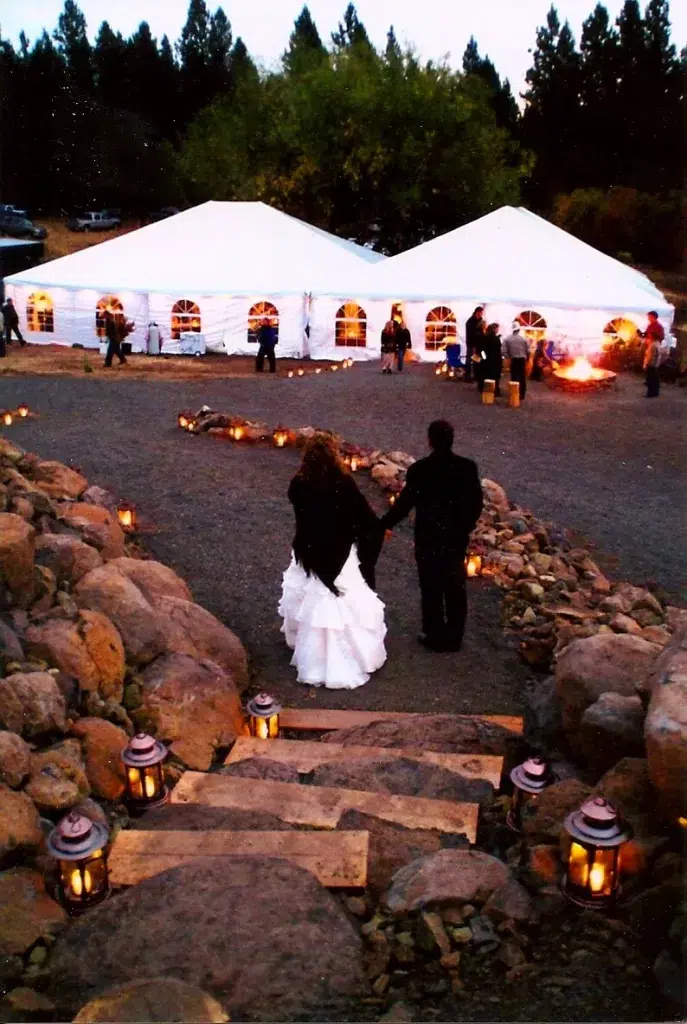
(607, 466)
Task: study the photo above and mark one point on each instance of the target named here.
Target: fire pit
(582, 377)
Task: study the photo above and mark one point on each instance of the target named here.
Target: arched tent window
(621, 330)
(108, 302)
(350, 326)
(39, 313)
(185, 317)
(256, 314)
(533, 324)
(440, 328)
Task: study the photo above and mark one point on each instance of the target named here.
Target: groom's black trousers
(443, 595)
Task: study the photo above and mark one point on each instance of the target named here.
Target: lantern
(263, 712)
(290, 373)
(318, 370)
(592, 877)
(353, 464)
(183, 420)
(191, 426)
(392, 499)
(335, 368)
(126, 515)
(23, 411)
(280, 437)
(7, 418)
(473, 564)
(437, 372)
(145, 785)
(529, 779)
(301, 373)
(238, 433)
(78, 844)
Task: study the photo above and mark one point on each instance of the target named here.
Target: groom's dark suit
(446, 493)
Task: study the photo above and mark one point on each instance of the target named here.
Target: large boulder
(102, 744)
(446, 876)
(192, 705)
(542, 819)
(153, 579)
(10, 646)
(14, 759)
(259, 934)
(88, 649)
(152, 999)
(588, 667)
(20, 826)
(190, 629)
(97, 526)
(404, 777)
(109, 591)
(59, 481)
(95, 495)
(391, 847)
(68, 557)
(628, 787)
(32, 704)
(27, 913)
(495, 494)
(612, 727)
(17, 545)
(665, 728)
(58, 779)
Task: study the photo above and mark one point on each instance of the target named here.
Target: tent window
(621, 330)
(351, 326)
(440, 328)
(256, 314)
(533, 324)
(185, 317)
(39, 313)
(108, 302)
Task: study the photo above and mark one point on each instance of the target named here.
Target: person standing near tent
(654, 336)
(154, 339)
(113, 333)
(11, 319)
(491, 366)
(403, 343)
(474, 335)
(518, 350)
(267, 339)
(3, 350)
(389, 345)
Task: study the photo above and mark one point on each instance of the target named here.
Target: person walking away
(446, 493)
(113, 334)
(267, 339)
(3, 350)
(542, 363)
(403, 343)
(474, 335)
(154, 339)
(492, 364)
(654, 335)
(389, 346)
(518, 350)
(11, 318)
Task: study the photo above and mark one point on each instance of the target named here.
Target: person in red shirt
(654, 336)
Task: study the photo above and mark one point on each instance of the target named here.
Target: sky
(505, 30)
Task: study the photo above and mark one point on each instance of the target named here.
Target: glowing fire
(581, 369)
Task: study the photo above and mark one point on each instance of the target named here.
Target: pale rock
(542, 562)
(14, 759)
(152, 1000)
(624, 624)
(656, 634)
(529, 616)
(88, 649)
(59, 481)
(649, 602)
(616, 604)
(97, 527)
(31, 704)
(109, 591)
(495, 494)
(99, 496)
(102, 745)
(68, 557)
(190, 629)
(58, 779)
(17, 546)
(153, 579)
(531, 591)
(443, 876)
(20, 830)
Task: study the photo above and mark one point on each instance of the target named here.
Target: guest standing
(518, 350)
(11, 323)
(267, 339)
(3, 350)
(154, 339)
(654, 335)
(403, 343)
(446, 492)
(492, 365)
(541, 360)
(474, 335)
(114, 333)
(389, 346)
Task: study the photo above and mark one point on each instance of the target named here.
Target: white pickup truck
(93, 222)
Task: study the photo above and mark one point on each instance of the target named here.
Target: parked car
(20, 227)
(7, 210)
(166, 211)
(100, 221)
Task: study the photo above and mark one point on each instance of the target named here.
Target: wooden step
(322, 806)
(305, 755)
(338, 860)
(324, 720)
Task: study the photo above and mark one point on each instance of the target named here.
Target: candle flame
(597, 878)
(7, 419)
(23, 411)
(126, 517)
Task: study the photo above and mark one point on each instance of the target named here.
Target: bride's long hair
(321, 464)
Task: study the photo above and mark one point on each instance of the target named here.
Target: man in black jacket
(446, 492)
(474, 333)
(11, 323)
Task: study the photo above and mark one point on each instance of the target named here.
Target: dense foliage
(378, 146)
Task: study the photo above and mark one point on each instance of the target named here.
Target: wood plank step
(338, 860)
(322, 806)
(305, 755)
(323, 720)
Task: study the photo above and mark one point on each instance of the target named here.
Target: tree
(393, 51)
(194, 60)
(351, 32)
(109, 63)
(74, 47)
(306, 49)
(500, 95)
(220, 41)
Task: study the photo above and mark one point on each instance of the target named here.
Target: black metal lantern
(263, 721)
(145, 784)
(592, 877)
(78, 844)
(529, 779)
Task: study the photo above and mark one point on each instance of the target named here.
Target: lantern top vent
(143, 751)
(263, 705)
(597, 822)
(77, 837)
(532, 776)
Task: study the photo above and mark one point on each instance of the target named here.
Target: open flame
(581, 369)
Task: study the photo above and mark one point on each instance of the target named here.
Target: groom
(445, 491)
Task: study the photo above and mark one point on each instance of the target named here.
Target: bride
(333, 620)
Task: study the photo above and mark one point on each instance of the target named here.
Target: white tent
(516, 264)
(212, 269)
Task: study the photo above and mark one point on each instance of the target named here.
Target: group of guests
(396, 341)
(9, 325)
(485, 350)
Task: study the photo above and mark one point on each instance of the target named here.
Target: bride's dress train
(337, 641)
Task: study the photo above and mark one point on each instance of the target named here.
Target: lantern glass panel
(85, 881)
(265, 728)
(578, 865)
(145, 784)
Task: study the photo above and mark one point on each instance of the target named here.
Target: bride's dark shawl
(328, 521)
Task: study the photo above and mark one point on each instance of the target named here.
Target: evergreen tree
(306, 49)
(74, 47)
(194, 60)
(599, 135)
(351, 32)
(392, 52)
(109, 66)
(500, 95)
(220, 40)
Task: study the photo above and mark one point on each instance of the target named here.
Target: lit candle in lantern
(191, 426)
(392, 499)
(592, 877)
(318, 370)
(354, 464)
(145, 786)
(473, 565)
(7, 419)
(437, 372)
(238, 433)
(182, 420)
(290, 373)
(263, 720)
(78, 844)
(23, 411)
(127, 517)
(280, 437)
(335, 368)
(301, 373)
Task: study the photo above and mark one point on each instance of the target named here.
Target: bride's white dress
(337, 641)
